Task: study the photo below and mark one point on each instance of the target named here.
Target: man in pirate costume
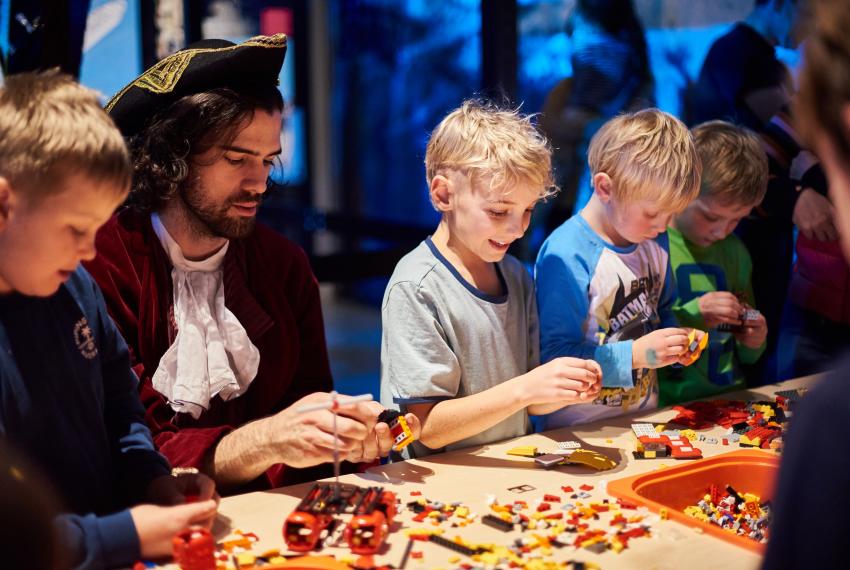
(222, 314)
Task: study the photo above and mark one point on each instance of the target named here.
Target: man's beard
(212, 219)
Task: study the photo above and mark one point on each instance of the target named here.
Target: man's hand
(156, 526)
(813, 216)
(719, 307)
(753, 333)
(380, 441)
(659, 348)
(306, 439)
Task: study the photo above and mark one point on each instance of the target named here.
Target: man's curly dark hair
(162, 152)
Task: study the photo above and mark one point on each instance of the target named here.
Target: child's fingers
(586, 375)
(674, 345)
(573, 384)
(195, 512)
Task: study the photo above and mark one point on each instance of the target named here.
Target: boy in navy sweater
(68, 397)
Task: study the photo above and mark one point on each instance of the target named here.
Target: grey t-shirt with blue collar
(443, 338)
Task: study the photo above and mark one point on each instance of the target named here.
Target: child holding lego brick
(604, 288)
(69, 398)
(460, 337)
(712, 266)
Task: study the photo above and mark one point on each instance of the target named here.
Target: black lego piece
(497, 522)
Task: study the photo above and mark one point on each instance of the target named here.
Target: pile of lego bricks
(750, 424)
(553, 521)
(741, 513)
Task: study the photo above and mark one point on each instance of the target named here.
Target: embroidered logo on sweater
(84, 338)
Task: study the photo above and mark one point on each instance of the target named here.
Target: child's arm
(538, 409)
(668, 289)
(563, 304)
(751, 342)
(543, 390)
(137, 461)
(120, 539)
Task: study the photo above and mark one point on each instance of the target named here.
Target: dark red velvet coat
(269, 287)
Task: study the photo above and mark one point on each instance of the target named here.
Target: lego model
(402, 436)
(654, 445)
(372, 511)
(695, 347)
(194, 549)
(760, 436)
(746, 315)
(570, 453)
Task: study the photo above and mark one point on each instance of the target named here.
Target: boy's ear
(602, 186)
(441, 191)
(6, 199)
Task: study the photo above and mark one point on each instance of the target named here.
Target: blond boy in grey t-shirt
(460, 339)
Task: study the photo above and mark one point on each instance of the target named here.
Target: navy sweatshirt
(69, 400)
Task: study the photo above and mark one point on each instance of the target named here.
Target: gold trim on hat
(163, 76)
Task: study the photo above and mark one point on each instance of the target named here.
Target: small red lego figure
(194, 549)
(402, 436)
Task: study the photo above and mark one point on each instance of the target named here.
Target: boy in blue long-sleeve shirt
(604, 288)
(68, 398)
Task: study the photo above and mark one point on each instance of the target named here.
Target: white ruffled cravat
(212, 354)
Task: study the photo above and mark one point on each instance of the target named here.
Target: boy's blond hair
(484, 141)
(52, 127)
(734, 164)
(648, 154)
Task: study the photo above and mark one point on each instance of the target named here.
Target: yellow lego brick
(454, 559)
(523, 451)
(591, 541)
(689, 433)
(245, 559)
(462, 512)
(270, 553)
(663, 514)
(425, 531)
(616, 546)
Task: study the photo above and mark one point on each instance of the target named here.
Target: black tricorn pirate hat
(204, 65)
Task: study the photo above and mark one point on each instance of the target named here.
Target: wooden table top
(472, 476)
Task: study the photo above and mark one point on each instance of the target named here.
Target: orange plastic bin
(674, 488)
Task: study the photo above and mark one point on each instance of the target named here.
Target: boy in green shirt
(713, 268)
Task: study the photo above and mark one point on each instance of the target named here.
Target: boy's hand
(156, 526)
(659, 348)
(718, 307)
(753, 333)
(563, 380)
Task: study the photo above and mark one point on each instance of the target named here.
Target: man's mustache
(247, 198)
